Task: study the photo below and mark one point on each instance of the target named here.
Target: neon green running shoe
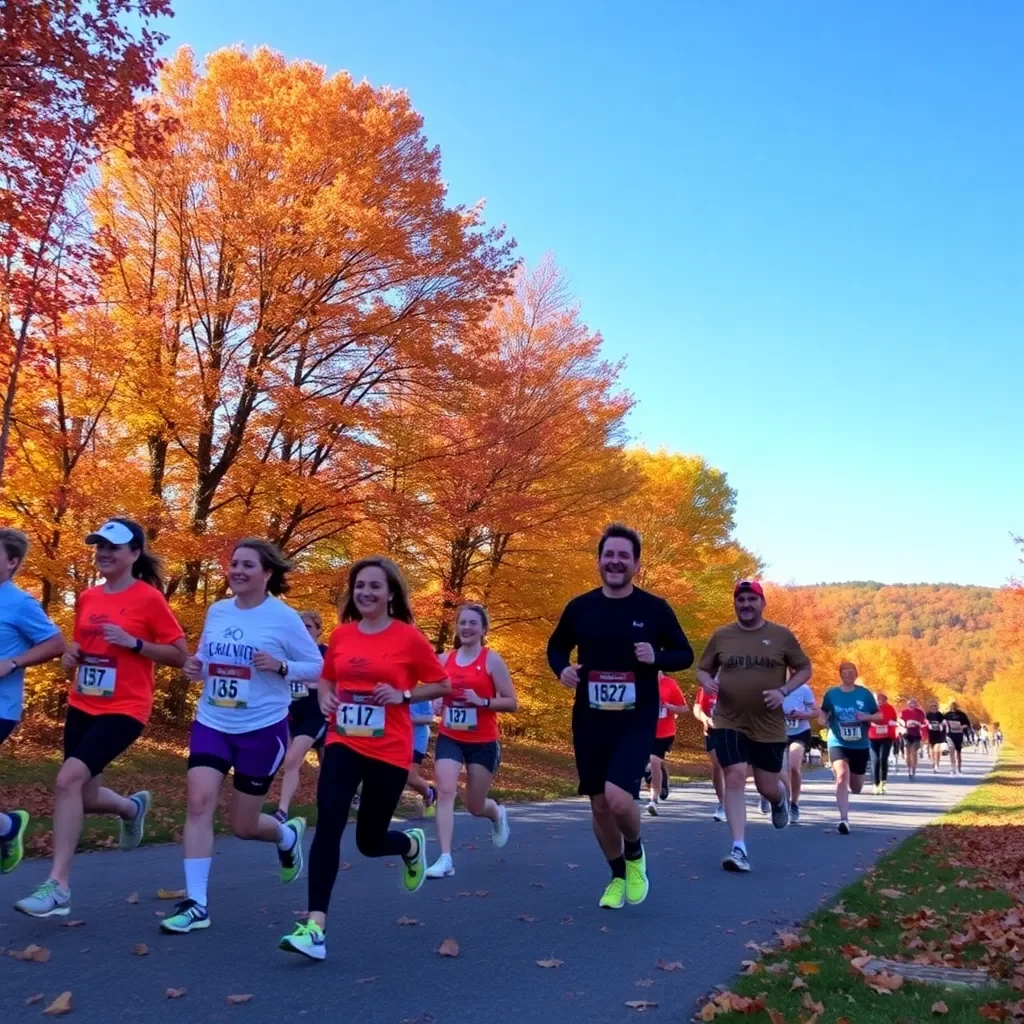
(12, 850)
(614, 897)
(414, 872)
(308, 939)
(292, 860)
(637, 885)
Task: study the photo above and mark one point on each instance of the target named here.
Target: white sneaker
(499, 831)
(719, 814)
(652, 808)
(844, 827)
(442, 867)
(736, 861)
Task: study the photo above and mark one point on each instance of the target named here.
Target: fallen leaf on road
(751, 920)
(409, 922)
(644, 983)
(550, 962)
(174, 993)
(751, 967)
(482, 892)
(345, 866)
(170, 894)
(572, 867)
(669, 965)
(35, 954)
(159, 913)
(566, 920)
(640, 1005)
(141, 949)
(37, 998)
(367, 981)
(238, 1000)
(807, 968)
(448, 948)
(60, 1005)
(72, 924)
(132, 898)
(789, 940)
(939, 1009)
(527, 918)
(539, 885)
(605, 929)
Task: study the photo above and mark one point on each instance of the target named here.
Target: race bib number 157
(97, 676)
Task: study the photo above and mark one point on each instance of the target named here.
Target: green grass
(877, 924)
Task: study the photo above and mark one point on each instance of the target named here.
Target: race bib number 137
(612, 691)
(97, 676)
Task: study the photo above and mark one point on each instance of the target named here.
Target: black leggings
(340, 774)
(880, 750)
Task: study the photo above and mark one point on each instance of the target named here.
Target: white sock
(197, 877)
(286, 838)
(738, 844)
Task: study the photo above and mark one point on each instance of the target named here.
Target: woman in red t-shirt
(377, 664)
(468, 734)
(123, 628)
(672, 703)
(704, 712)
(880, 736)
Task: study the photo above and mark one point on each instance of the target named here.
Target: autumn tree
(69, 73)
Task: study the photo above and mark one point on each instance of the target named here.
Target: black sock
(633, 849)
(618, 866)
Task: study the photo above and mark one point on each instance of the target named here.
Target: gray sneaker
(49, 900)
(780, 814)
(794, 814)
(765, 805)
(736, 861)
(133, 831)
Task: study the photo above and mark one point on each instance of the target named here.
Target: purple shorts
(255, 756)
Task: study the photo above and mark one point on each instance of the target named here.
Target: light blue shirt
(841, 707)
(420, 733)
(23, 624)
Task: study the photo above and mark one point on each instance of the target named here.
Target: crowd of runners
(366, 701)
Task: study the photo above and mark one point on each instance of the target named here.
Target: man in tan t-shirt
(752, 665)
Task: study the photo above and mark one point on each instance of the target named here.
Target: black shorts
(419, 756)
(306, 719)
(735, 747)
(803, 738)
(856, 758)
(662, 745)
(934, 738)
(486, 755)
(7, 726)
(957, 739)
(611, 746)
(709, 740)
(912, 739)
(96, 740)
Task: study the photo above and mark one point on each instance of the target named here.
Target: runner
(997, 736)
(746, 664)
(983, 738)
(27, 637)
(468, 734)
(422, 713)
(704, 712)
(957, 723)
(622, 636)
(936, 734)
(799, 710)
(912, 722)
(306, 724)
(123, 628)
(253, 648)
(847, 709)
(673, 704)
(880, 736)
(375, 667)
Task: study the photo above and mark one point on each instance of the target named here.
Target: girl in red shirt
(880, 736)
(377, 664)
(704, 712)
(468, 734)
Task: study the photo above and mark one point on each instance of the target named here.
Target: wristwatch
(406, 696)
(282, 669)
(137, 646)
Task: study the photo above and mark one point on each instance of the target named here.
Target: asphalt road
(380, 971)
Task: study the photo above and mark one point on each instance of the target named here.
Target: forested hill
(950, 630)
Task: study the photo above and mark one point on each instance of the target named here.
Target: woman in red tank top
(468, 733)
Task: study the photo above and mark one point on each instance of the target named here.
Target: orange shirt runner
(668, 693)
(461, 720)
(884, 730)
(355, 663)
(112, 680)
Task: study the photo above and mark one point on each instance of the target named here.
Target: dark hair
(623, 532)
(147, 566)
(271, 559)
(470, 606)
(398, 594)
(15, 544)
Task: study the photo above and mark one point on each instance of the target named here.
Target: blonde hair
(314, 616)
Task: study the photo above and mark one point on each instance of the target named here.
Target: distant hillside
(949, 629)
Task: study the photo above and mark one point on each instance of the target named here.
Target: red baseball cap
(753, 586)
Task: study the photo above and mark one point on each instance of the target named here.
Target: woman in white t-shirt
(253, 646)
(800, 710)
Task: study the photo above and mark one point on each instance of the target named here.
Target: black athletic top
(603, 631)
(935, 721)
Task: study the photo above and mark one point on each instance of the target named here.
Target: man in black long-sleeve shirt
(623, 637)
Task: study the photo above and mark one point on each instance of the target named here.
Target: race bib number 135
(229, 686)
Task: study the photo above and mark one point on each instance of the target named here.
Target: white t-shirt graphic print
(237, 697)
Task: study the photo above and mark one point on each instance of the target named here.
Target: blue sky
(802, 225)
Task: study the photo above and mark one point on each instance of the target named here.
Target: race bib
(229, 686)
(612, 691)
(460, 715)
(954, 725)
(356, 716)
(912, 726)
(96, 676)
(299, 689)
(794, 724)
(849, 732)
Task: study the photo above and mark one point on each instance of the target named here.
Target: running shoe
(188, 916)
(664, 786)
(844, 827)
(414, 872)
(736, 861)
(884, 790)
(292, 860)
(637, 885)
(780, 814)
(876, 790)
(13, 849)
(307, 939)
(430, 803)
(614, 897)
(647, 774)
(49, 900)
(442, 867)
(794, 814)
(133, 831)
(765, 805)
(499, 830)
(719, 814)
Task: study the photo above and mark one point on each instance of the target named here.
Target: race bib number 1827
(612, 691)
